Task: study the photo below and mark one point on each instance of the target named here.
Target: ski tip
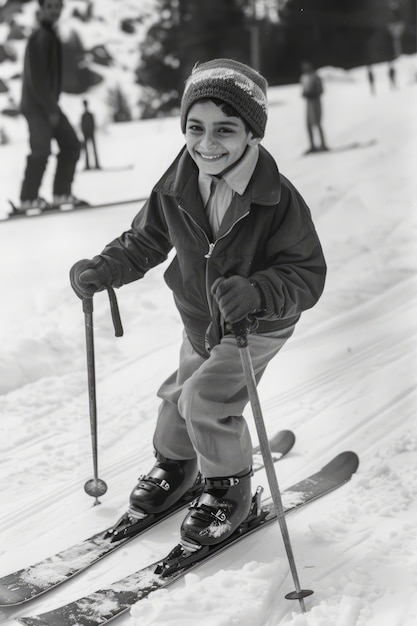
(345, 462)
(282, 441)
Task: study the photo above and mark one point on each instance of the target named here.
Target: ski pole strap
(115, 313)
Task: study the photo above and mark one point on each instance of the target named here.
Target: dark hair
(229, 111)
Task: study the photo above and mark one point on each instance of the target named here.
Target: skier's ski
(35, 580)
(53, 210)
(108, 168)
(102, 606)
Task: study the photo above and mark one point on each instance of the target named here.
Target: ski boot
(165, 484)
(224, 504)
(31, 207)
(67, 202)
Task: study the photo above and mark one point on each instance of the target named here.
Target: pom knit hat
(233, 82)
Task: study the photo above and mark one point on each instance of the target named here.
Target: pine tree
(187, 32)
(119, 106)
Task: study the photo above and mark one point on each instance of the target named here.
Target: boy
(246, 246)
(41, 87)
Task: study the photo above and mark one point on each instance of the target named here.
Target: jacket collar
(182, 177)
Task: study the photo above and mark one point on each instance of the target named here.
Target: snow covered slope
(346, 380)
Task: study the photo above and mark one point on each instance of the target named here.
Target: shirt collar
(266, 178)
(239, 176)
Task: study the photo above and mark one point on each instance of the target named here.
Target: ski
(104, 605)
(108, 168)
(33, 581)
(54, 210)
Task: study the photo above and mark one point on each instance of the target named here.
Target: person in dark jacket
(312, 90)
(245, 246)
(41, 88)
(88, 129)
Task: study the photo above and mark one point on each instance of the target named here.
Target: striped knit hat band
(232, 82)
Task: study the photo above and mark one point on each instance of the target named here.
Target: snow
(346, 380)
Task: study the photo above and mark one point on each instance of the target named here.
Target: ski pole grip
(88, 305)
(241, 332)
(115, 313)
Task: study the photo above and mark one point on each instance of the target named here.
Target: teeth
(211, 157)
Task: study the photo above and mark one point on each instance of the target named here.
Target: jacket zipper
(211, 246)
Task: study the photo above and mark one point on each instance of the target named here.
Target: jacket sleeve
(295, 273)
(145, 245)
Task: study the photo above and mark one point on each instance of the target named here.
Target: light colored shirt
(217, 193)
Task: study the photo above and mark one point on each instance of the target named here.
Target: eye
(225, 130)
(194, 128)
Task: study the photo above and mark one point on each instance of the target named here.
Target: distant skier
(88, 128)
(41, 87)
(312, 89)
(245, 246)
(371, 79)
(392, 76)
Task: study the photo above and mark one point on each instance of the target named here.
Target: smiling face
(214, 140)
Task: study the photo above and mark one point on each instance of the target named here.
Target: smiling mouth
(210, 157)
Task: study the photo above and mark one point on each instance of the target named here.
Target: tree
(187, 32)
(119, 106)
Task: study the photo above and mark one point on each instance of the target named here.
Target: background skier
(41, 87)
(312, 89)
(88, 129)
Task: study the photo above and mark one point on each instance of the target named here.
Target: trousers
(203, 401)
(89, 140)
(41, 134)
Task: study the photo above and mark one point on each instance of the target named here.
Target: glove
(90, 275)
(236, 297)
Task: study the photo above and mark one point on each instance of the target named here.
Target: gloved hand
(236, 297)
(90, 275)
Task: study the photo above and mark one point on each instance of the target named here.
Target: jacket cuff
(267, 300)
(110, 268)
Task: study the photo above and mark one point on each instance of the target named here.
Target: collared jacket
(267, 235)
(42, 72)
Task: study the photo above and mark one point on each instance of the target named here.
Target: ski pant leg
(211, 401)
(85, 148)
(214, 397)
(69, 153)
(40, 136)
(171, 436)
(93, 141)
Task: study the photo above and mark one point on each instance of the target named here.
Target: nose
(207, 141)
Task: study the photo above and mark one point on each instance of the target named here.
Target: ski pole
(241, 331)
(94, 487)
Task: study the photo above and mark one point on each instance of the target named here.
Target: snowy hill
(346, 380)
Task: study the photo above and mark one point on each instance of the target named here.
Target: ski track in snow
(346, 380)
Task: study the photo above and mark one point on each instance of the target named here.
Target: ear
(253, 141)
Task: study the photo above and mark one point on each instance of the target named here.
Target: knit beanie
(232, 82)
